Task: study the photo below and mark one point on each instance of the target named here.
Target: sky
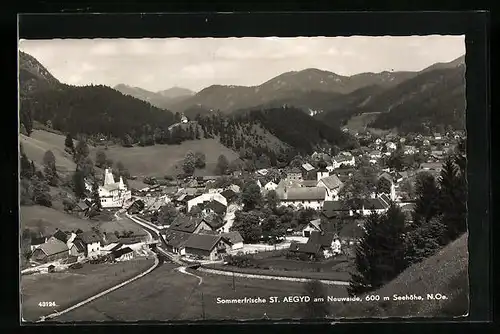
(196, 63)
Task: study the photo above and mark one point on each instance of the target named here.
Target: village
(195, 215)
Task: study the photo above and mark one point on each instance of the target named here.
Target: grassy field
(69, 288)
(360, 122)
(40, 141)
(159, 160)
(445, 273)
(166, 294)
(34, 216)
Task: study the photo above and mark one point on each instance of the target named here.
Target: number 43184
(46, 304)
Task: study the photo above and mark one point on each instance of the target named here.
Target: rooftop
(202, 241)
(305, 194)
(53, 247)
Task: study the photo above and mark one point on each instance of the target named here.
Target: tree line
(390, 244)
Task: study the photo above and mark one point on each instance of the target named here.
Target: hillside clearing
(159, 160)
(360, 122)
(444, 273)
(36, 216)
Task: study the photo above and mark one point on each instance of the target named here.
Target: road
(229, 218)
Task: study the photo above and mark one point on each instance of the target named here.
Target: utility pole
(202, 307)
(234, 287)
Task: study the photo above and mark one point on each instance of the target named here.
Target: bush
(241, 261)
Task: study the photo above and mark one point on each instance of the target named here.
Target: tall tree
(248, 224)
(26, 166)
(81, 151)
(49, 171)
(222, 165)
(79, 184)
(41, 193)
(453, 199)
(427, 201)
(251, 196)
(68, 143)
(200, 159)
(189, 163)
(272, 199)
(380, 255)
(95, 195)
(424, 240)
(167, 214)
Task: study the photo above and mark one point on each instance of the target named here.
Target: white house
(393, 180)
(206, 198)
(305, 197)
(262, 172)
(113, 194)
(332, 184)
(313, 226)
(184, 119)
(343, 159)
(409, 149)
(270, 186)
(378, 141)
(437, 136)
(87, 243)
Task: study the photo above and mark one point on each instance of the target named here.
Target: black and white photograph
(251, 178)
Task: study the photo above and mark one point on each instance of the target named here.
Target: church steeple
(108, 177)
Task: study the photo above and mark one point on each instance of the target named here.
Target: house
(136, 207)
(113, 194)
(332, 184)
(437, 136)
(37, 242)
(207, 246)
(214, 196)
(122, 254)
(333, 209)
(322, 173)
(213, 220)
(214, 207)
(391, 146)
(308, 171)
(343, 159)
(52, 250)
(309, 183)
(189, 224)
(378, 141)
(89, 243)
(376, 154)
(262, 172)
(235, 239)
(328, 241)
(407, 210)
(229, 195)
(313, 226)
(175, 241)
(311, 250)
(184, 119)
(82, 208)
(431, 166)
(294, 174)
(270, 186)
(393, 180)
(426, 142)
(236, 188)
(312, 198)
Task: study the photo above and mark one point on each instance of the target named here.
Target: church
(113, 194)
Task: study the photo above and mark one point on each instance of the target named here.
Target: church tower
(108, 177)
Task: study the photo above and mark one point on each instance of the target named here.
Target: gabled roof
(307, 248)
(385, 199)
(294, 170)
(316, 223)
(331, 182)
(217, 207)
(205, 242)
(53, 247)
(37, 241)
(309, 183)
(373, 203)
(233, 237)
(324, 239)
(79, 245)
(185, 224)
(214, 221)
(60, 235)
(89, 237)
(342, 157)
(308, 167)
(228, 194)
(305, 194)
(331, 208)
(176, 239)
(122, 251)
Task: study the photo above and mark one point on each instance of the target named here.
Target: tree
(27, 168)
(41, 193)
(95, 195)
(251, 196)
(297, 161)
(68, 144)
(317, 306)
(86, 166)
(127, 141)
(360, 186)
(453, 199)
(49, 171)
(384, 186)
(79, 184)
(199, 160)
(407, 187)
(100, 159)
(247, 223)
(189, 163)
(167, 214)
(272, 199)
(427, 201)
(81, 151)
(380, 255)
(271, 227)
(424, 240)
(222, 165)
